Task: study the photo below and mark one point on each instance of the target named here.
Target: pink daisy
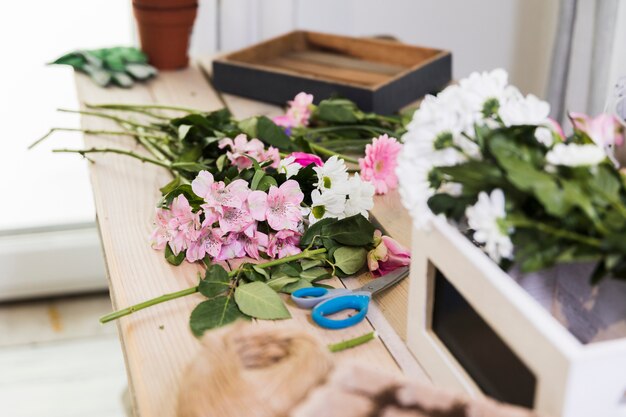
(379, 164)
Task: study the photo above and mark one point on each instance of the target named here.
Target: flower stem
(142, 158)
(120, 120)
(327, 152)
(328, 129)
(88, 132)
(132, 107)
(307, 253)
(130, 310)
(302, 255)
(350, 343)
(566, 234)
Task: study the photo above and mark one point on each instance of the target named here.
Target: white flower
(333, 175)
(575, 155)
(483, 219)
(544, 135)
(326, 204)
(479, 87)
(415, 190)
(527, 110)
(288, 166)
(360, 197)
(452, 188)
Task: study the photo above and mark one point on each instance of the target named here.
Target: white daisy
(326, 204)
(575, 155)
(333, 175)
(360, 197)
(483, 218)
(288, 166)
(527, 110)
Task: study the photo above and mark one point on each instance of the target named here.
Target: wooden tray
(379, 75)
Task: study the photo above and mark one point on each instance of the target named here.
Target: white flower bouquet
(489, 159)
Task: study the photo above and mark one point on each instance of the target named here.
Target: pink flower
(379, 164)
(232, 248)
(280, 207)
(306, 159)
(254, 242)
(219, 195)
(387, 256)
(604, 129)
(298, 113)
(241, 148)
(209, 242)
(283, 243)
(271, 154)
(177, 226)
(235, 219)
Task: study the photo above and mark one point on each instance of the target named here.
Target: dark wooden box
(379, 75)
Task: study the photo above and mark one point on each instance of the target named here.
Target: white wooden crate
(531, 314)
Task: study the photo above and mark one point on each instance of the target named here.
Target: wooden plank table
(157, 342)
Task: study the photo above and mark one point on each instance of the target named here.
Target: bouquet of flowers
(487, 158)
(266, 206)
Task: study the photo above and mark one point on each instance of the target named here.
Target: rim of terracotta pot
(164, 9)
(164, 4)
(172, 17)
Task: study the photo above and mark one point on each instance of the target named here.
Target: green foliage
(216, 281)
(119, 65)
(259, 300)
(214, 313)
(555, 214)
(174, 259)
(350, 259)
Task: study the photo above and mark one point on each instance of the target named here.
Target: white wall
(482, 34)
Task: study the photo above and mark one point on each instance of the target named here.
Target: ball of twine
(252, 369)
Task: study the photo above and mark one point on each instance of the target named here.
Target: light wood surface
(157, 343)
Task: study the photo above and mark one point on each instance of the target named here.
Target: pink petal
(257, 204)
(201, 185)
(290, 189)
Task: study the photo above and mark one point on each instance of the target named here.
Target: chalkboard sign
(493, 366)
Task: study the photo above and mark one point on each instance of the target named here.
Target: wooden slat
(157, 342)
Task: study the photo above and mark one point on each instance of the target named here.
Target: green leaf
(248, 126)
(337, 111)
(281, 281)
(314, 232)
(183, 130)
(220, 162)
(258, 175)
(350, 259)
(214, 313)
(266, 183)
(289, 269)
(257, 299)
(273, 135)
(301, 283)
(170, 186)
(352, 231)
(216, 281)
(452, 207)
(174, 259)
(315, 274)
(310, 263)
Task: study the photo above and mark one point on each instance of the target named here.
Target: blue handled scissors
(325, 302)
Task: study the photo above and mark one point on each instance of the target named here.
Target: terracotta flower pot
(164, 4)
(164, 34)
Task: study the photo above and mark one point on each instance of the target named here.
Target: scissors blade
(385, 281)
